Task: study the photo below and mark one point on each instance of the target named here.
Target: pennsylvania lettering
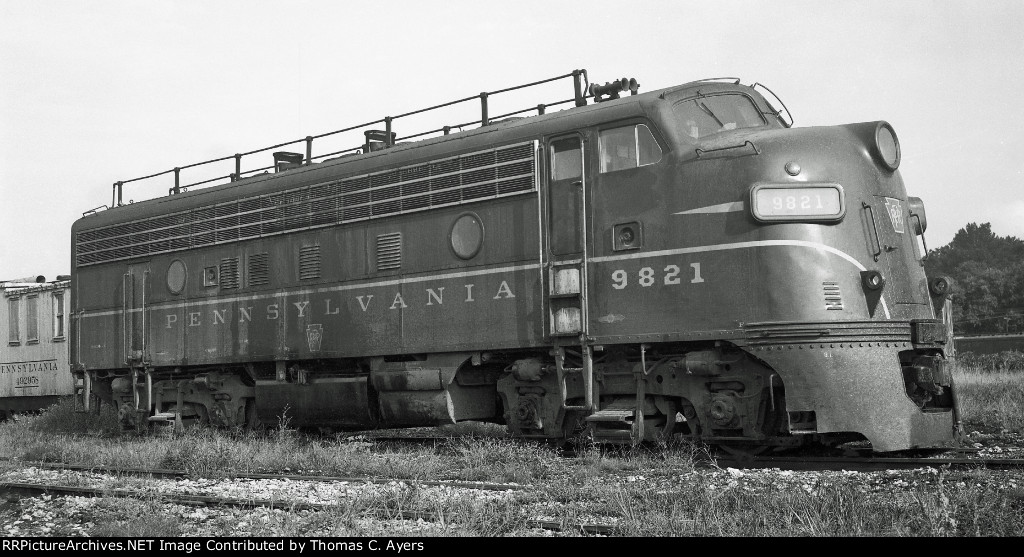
(29, 367)
(356, 304)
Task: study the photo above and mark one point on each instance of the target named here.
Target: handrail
(874, 226)
(580, 96)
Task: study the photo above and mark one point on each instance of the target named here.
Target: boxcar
(34, 370)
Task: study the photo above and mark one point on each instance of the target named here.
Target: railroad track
(866, 463)
(22, 489)
(169, 473)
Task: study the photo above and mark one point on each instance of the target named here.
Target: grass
(595, 484)
(991, 400)
(837, 508)
(57, 436)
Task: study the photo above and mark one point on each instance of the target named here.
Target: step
(611, 415)
(613, 435)
(162, 417)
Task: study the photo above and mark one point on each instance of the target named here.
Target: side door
(566, 235)
(894, 247)
(135, 289)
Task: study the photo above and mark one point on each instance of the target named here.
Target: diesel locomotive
(635, 266)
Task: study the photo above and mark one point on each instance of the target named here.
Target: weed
(132, 518)
(499, 460)
(990, 399)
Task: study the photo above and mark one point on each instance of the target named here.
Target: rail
(581, 88)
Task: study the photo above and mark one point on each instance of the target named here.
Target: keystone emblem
(314, 334)
(895, 210)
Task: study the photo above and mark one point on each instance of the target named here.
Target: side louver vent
(309, 262)
(259, 269)
(229, 275)
(833, 297)
(389, 251)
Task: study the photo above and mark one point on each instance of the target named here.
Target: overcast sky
(100, 91)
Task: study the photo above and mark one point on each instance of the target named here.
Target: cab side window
(566, 159)
(628, 147)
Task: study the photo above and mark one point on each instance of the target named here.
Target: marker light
(939, 286)
(917, 215)
(872, 280)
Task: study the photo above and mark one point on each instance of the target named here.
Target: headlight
(887, 146)
(792, 202)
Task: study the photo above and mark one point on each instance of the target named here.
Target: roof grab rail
(95, 210)
(788, 120)
(387, 137)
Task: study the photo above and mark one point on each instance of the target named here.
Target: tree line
(988, 280)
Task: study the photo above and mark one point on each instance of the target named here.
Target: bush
(62, 418)
(1002, 361)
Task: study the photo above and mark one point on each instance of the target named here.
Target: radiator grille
(489, 174)
(389, 251)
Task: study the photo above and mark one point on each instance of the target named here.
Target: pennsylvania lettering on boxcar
(30, 367)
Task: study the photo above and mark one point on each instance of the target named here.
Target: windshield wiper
(710, 113)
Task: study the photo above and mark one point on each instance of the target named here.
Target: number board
(803, 202)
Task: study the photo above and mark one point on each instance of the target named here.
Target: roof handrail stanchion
(387, 137)
(581, 99)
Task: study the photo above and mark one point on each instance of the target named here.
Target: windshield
(702, 116)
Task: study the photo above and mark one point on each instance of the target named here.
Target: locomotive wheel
(574, 433)
(128, 419)
(663, 432)
(252, 420)
(668, 429)
(743, 452)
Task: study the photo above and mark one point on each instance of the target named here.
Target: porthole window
(467, 235)
(176, 276)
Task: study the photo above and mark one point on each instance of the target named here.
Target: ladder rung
(563, 296)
